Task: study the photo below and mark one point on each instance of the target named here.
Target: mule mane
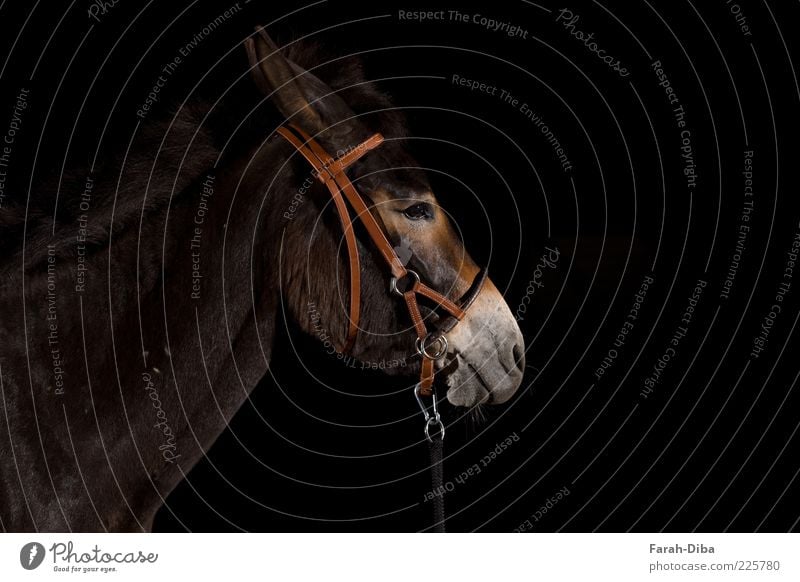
(169, 155)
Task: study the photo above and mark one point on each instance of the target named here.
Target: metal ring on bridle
(434, 421)
(430, 419)
(394, 280)
(424, 348)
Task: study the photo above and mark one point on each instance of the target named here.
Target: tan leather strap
(349, 235)
(348, 158)
(448, 305)
(356, 201)
(426, 375)
(331, 172)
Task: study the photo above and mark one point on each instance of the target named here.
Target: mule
(136, 326)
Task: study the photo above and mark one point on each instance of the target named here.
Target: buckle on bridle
(431, 420)
(424, 347)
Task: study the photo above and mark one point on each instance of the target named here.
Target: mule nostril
(519, 356)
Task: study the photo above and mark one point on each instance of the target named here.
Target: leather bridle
(331, 171)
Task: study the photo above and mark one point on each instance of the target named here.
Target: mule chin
(486, 357)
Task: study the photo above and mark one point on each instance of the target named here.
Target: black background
(324, 447)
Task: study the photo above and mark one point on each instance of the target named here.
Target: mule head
(486, 356)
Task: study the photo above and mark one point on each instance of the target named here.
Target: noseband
(405, 283)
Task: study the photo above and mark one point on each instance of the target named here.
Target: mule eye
(419, 211)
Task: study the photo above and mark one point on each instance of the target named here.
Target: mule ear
(275, 77)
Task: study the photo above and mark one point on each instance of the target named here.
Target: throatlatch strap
(344, 218)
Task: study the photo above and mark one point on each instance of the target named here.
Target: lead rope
(436, 450)
(437, 476)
